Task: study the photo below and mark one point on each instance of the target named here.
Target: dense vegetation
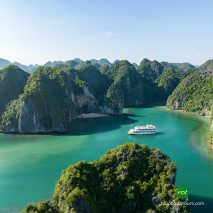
(210, 137)
(71, 63)
(162, 78)
(195, 93)
(57, 93)
(129, 178)
(148, 83)
(12, 82)
(210, 141)
(53, 96)
(126, 87)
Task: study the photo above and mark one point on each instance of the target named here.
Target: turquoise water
(30, 165)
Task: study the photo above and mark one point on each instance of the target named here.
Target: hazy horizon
(35, 32)
(87, 59)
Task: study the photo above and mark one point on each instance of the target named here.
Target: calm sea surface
(31, 164)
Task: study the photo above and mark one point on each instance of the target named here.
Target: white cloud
(109, 33)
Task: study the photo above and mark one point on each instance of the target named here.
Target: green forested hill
(195, 92)
(53, 96)
(12, 82)
(150, 82)
(130, 178)
(162, 78)
(126, 84)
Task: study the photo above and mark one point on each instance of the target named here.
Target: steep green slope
(210, 141)
(151, 82)
(195, 92)
(150, 70)
(127, 87)
(129, 178)
(161, 79)
(170, 78)
(41, 102)
(210, 137)
(97, 82)
(52, 97)
(12, 82)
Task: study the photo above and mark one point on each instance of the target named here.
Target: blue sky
(36, 31)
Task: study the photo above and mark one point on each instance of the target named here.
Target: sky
(37, 31)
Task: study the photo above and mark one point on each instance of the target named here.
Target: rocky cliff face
(129, 178)
(195, 92)
(127, 88)
(148, 83)
(12, 82)
(210, 139)
(52, 98)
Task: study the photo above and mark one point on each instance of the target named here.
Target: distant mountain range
(73, 63)
(48, 99)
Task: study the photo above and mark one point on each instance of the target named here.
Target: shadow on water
(87, 126)
(97, 125)
(206, 208)
(132, 114)
(153, 104)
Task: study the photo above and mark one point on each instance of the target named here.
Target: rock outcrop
(12, 82)
(150, 82)
(130, 178)
(53, 97)
(195, 92)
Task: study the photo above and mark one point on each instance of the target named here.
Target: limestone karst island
(106, 106)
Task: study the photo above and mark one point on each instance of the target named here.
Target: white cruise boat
(143, 130)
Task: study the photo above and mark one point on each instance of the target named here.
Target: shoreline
(206, 118)
(193, 113)
(91, 115)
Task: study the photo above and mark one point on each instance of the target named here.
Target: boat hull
(143, 130)
(150, 133)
